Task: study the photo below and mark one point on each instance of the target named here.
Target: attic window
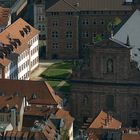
(1, 54)
(12, 42)
(25, 30)
(22, 33)
(28, 28)
(34, 96)
(17, 41)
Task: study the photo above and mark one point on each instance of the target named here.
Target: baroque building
(107, 80)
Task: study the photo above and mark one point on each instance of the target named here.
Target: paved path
(43, 65)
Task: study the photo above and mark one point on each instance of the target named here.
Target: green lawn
(59, 72)
(65, 88)
(53, 84)
(56, 74)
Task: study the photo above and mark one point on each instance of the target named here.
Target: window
(55, 34)
(85, 34)
(69, 45)
(55, 13)
(40, 10)
(69, 13)
(55, 23)
(55, 45)
(102, 21)
(69, 34)
(41, 18)
(93, 34)
(69, 23)
(43, 27)
(85, 22)
(110, 102)
(135, 103)
(109, 66)
(84, 45)
(94, 22)
(39, 27)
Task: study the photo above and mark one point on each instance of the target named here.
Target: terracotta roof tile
(29, 89)
(12, 32)
(105, 121)
(65, 115)
(4, 16)
(131, 137)
(10, 102)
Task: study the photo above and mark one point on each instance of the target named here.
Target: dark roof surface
(89, 5)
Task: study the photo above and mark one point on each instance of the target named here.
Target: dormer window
(34, 96)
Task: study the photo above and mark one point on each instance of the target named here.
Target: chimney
(106, 122)
(108, 116)
(13, 117)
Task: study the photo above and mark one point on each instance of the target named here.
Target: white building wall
(71, 132)
(23, 66)
(27, 61)
(34, 53)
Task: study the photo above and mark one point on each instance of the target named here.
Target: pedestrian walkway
(43, 65)
(61, 84)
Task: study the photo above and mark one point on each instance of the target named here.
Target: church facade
(108, 80)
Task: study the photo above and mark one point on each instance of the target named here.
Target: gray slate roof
(132, 29)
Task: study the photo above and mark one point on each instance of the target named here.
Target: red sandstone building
(70, 25)
(109, 81)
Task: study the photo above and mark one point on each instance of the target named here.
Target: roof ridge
(71, 5)
(51, 91)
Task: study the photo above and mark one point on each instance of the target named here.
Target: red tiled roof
(65, 115)
(4, 16)
(105, 121)
(28, 88)
(13, 32)
(10, 102)
(131, 137)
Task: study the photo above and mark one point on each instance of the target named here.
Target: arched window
(109, 66)
(85, 100)
(135, 103)
(110, 102)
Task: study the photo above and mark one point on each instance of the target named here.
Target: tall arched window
(134, 103)
(109, 66)
(110, 102)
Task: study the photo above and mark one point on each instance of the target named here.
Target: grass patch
(65, 88)
(54, 84)
(56, 74)
(60, 70)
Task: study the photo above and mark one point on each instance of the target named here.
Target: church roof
(132, 29)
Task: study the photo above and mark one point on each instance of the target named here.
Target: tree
(98, 38)
(112, 24)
